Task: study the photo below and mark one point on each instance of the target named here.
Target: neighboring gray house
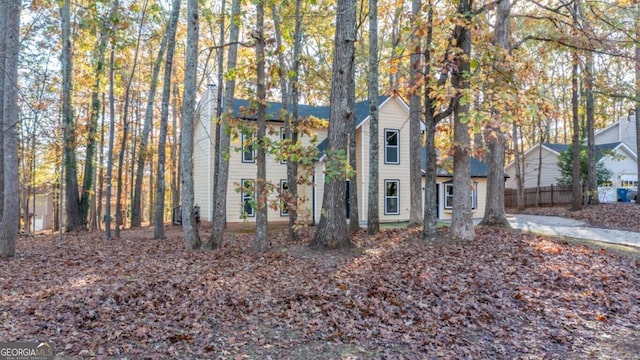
(543, 159)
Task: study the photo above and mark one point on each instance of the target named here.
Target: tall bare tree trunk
(332, 229)
(373, 214)
(158, 231)
(74, 218)
(416, 216)
(261, 241)
(494, 214)
(354, 220)
(189, 226)
(462, 221)
(222, 171)
(592, 189)
(136, 209)
(10, 10)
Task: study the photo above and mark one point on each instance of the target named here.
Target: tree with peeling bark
(10, 37)
(332, 230)
(462, 221)
(415, 118)
(494, 214)
(189, 226)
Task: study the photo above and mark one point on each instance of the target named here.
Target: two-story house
(618, 139)
(394, 178)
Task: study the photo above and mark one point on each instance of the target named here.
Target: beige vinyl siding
(392, 116)
(276, 171)
(481, 200)
(204, 134)
(627, 133)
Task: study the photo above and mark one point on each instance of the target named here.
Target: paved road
(554, 225)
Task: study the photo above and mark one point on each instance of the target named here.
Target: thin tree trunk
(112, 131)
(261, 241)
(416, 216)
(219, 89)
(292, 166)
(222, 171)
(332, 229)
(189, 226)
(576, 173)
(125, 125)
(636, 20)
(74, 217)
(98, 214)
(494, 214)
(462, 221)
(591, 143)
(175, 150)
(11, 214)
(136, 208)
(373, 214)
(89, 167)
(158, 231)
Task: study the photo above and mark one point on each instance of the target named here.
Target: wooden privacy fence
(549, 196)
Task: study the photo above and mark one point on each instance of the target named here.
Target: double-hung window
(448, 195)
(391, 197)
(248, 198)
(248, 152)
(391, 146)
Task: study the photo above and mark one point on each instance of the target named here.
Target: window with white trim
(391, 197)
(284, 189)
(247, 198)
(248, 152)
(448, 195)
(391, 146)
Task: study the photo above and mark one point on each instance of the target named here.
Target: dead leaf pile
(505, 295)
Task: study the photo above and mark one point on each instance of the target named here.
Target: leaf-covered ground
(506, 295)
(621, 216)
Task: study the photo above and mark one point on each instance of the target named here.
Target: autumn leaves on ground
(506, 295)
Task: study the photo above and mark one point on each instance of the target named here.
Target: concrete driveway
(559, 226)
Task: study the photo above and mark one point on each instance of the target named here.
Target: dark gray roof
(478, 167)
(556, 147)
(242, 109)
(601, 149)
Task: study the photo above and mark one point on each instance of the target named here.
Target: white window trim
(244, 139)
(474, 196)
(246, 196)
(396, 147)
(397, 197)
